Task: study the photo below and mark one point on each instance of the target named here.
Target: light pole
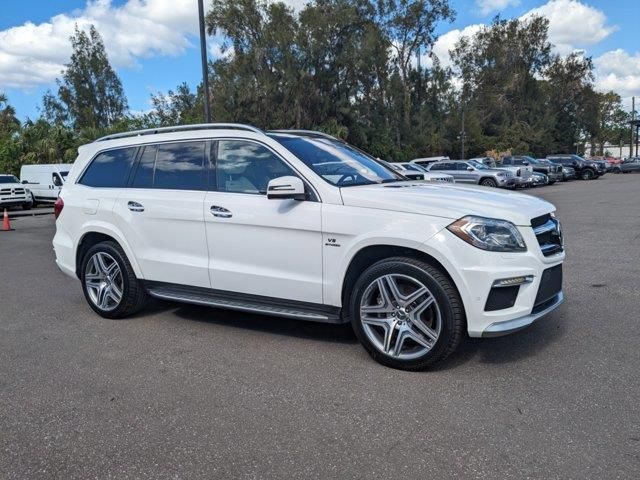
(205, 68)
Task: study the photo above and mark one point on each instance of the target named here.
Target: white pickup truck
(13, 193)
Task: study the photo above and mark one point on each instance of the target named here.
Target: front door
(257, 246)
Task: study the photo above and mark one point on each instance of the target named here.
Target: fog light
(513, 281)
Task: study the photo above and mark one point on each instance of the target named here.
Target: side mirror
(526, 164)
(286, 187)
(24, 182)
(470, 169)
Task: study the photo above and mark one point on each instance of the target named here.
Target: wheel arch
(368, 255)
(97, 234)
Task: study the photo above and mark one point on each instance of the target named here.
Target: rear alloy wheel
(406, 313)
(109, 282)
(488, 182)
(587, 174)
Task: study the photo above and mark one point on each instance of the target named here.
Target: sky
(153, 44)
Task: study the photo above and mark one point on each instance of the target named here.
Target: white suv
(299, 224)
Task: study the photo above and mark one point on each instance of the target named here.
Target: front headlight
(489, 234)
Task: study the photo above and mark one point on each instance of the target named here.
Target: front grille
(548, 233)
(12, 191)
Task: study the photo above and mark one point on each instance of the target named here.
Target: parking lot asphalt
(183, 392)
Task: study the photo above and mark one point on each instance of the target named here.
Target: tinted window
(143, 178)
(462, 166)
(247, 167)
(438, 166)
(109, 169)
(179, 166)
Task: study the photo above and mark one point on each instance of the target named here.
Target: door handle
(135, 207)
(220, 212)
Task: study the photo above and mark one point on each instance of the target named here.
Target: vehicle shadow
(501, 350)
(511, 348)
(325, 332)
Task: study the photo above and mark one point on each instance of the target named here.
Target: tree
(500, 67)
(90, 94)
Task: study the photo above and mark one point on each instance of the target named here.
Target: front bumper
(506, 182)
(474, 272)
(15, 201)
(555, 176)
(498, 329)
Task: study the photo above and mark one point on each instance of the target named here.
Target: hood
(451, 201)
(13, 185)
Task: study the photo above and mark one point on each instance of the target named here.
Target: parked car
(568, 173)
(410, 171)
(627, 166)
(584, 169)
(13, 193)
(45, 180)
(540, 179)
(523, 177)
(302, 225)
(470, 171)
(551, 170)
(426, 161)
(430, 176)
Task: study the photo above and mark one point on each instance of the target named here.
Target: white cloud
(447, 42)
(619, 71)
(34, 54)
(488, 6)
(572, 24)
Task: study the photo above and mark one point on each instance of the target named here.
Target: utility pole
(633, 118)
(462, 135)
(205, 67)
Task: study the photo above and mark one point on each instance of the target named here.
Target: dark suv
(585, 169)
(552, 171)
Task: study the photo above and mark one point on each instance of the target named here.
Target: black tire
(134, 297)
(617, 170)
(488, 182)
(587, 174)
(446, 296)
(27, 206)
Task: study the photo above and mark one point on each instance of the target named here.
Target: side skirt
(278, 307)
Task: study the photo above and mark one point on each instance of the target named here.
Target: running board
(245, 303)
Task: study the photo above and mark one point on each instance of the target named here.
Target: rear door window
(172, 166)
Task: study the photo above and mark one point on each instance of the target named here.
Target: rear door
(271, 248)
(161, 212)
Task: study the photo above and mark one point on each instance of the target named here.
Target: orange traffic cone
(6, 224)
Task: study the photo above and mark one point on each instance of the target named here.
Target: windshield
(337, 162)
(478, 165)
(9, 179)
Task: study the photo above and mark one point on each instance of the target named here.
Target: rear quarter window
(109, 169)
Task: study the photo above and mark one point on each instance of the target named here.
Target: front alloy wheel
(400, 317)
(406, 313)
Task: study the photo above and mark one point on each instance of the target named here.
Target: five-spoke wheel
(103, 280)
(109, 281)
(400, 316)
(407, 313)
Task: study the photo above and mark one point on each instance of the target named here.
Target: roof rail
(306, 132)
(180, 128)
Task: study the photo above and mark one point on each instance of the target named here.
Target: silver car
(470, 171)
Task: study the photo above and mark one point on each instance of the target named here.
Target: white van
(45, 181)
